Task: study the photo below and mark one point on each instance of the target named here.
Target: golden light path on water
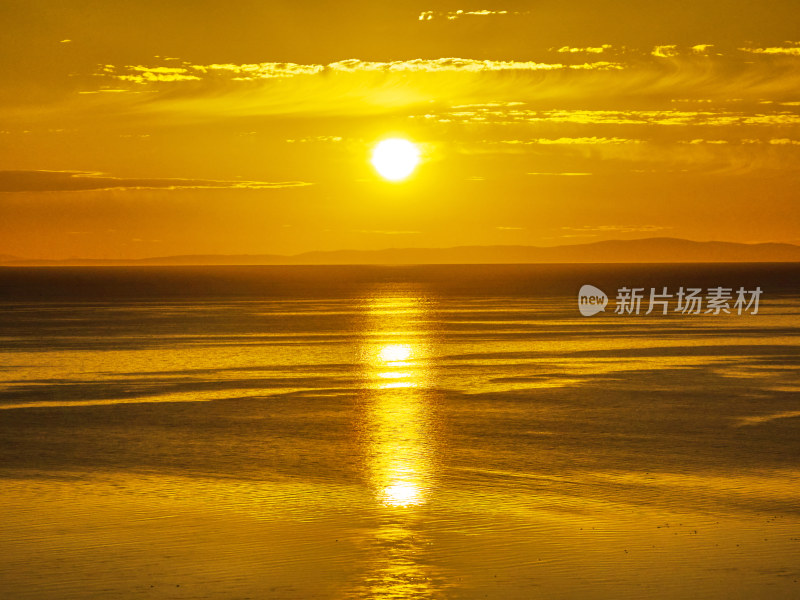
(400, 447)
(400, 454)
(397, 419)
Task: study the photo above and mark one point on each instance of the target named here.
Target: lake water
(396, 432)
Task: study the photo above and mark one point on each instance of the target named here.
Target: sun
(395, 158)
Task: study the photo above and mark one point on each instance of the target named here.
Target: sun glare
(395, 353)
(395, 158)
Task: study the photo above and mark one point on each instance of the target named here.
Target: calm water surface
(395, 432)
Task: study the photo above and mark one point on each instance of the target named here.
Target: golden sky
(135, 129)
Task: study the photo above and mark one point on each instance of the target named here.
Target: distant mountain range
(650, 250)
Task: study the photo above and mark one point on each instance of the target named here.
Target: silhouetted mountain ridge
(647, 250)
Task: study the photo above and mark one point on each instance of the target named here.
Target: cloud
(775, 50)
(354, 86)
(452, 15)
(141, 74)
(386, 232)
(570, 140)
(507, 116)
(563, 174)
(702, 48)
(586, 50)
(440, 65)
(571, 157)
(254, 71)
(194, 93)
(784, 142)
(273, 70)
(105, 91)
(702, 141)
(666, 51)
(73, 181)
(315, 139)
(596, 230)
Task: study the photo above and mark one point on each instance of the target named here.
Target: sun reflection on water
(396, 353)
(400, 453)
(400, 440)
(391, 363)
(397, 374)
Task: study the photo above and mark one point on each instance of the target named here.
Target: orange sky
(134, 129)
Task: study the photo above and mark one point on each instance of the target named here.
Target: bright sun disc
(395, 158)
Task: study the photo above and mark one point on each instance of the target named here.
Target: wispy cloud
(665, 51)
(598, 230)
(517, 114)
(702, 48)
(584, 50)
(271, 70)
(315, 139)
(188, 93)
(452, 15)
(620, 228)
(386, 232)
(460, 65)
(253, 71)
(667, 73)
(570, 141)
(775, 50)
(562, 174)
(783, 142)
(141, 74)
(73, 181)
